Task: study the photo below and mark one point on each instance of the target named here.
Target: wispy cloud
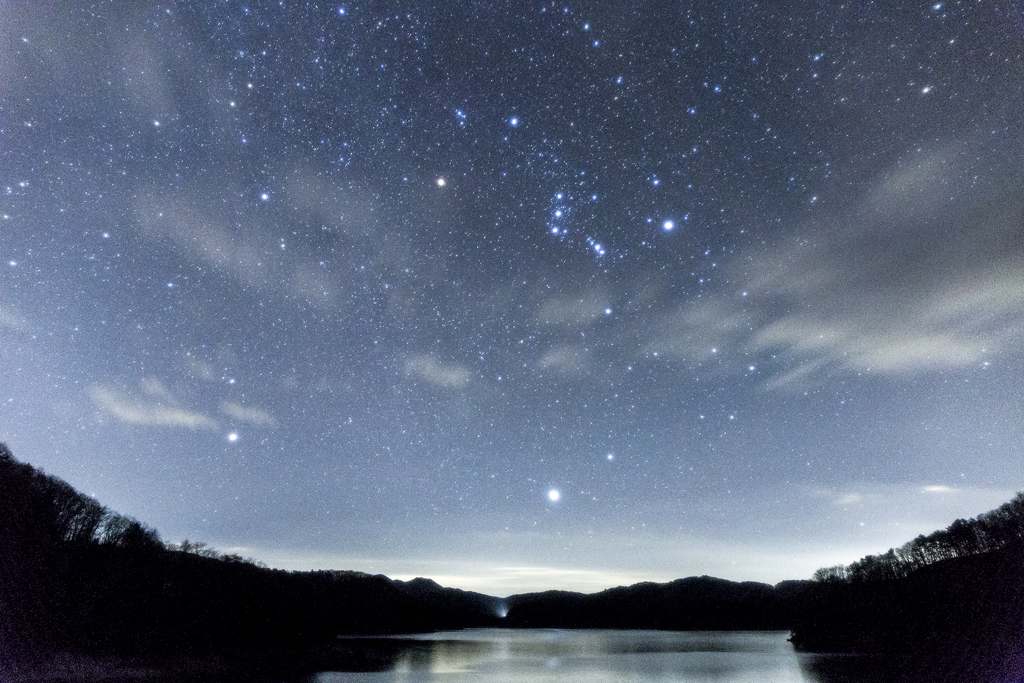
(255, 416)
(574, 310)
(922, 274)
(201, 370)
(150, 411)
(566, 359)
(151, 386)
(428, 368)
(699, 331)
(885, 504)
(849, 499)
(243, 255)
(12, 319)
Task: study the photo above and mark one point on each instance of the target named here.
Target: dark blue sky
(523, 295)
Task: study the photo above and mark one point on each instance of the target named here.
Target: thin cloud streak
(148, 413)
(255, 416)
(574, 311)
(889, 287)
(241, 255)
(439, 373)
(11, 319)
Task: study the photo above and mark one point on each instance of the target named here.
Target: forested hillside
(76, 577)
(994, 530)
(947, 606)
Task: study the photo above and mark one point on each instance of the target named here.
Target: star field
(518, 296)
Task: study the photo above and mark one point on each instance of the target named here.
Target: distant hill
(697, 603)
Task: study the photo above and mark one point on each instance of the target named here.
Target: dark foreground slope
(950, 601)
(963, 615)
(77, 578)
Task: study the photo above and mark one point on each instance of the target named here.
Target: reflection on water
(535, 656)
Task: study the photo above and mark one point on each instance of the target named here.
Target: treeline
(985, 533)
(946, 606)
(51, 510)
(960, 619)
(203, 550)
(77, 578)
(57, 512)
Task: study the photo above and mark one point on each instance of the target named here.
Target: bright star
(440, 182)
(233, 437)
(668, 225)
(265, 197)
(513, 122)
(554, 495)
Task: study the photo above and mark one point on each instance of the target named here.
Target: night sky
(518, 296)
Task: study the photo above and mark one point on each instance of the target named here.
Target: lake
(557, 656)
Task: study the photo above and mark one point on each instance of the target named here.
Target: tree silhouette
(963, 538)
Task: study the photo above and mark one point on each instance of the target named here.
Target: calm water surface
(533, 656)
